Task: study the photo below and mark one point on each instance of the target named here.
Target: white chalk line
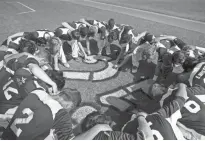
(160, 14)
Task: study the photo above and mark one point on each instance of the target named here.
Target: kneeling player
(41, 117)
(143, 133)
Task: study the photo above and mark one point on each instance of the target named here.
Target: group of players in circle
(35, 105)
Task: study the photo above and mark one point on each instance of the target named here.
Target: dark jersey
(37, 114)
(160, 120)
(26, 81)
(197, 76)
(63, 33)
(9, 96)
(23, 61)
(117, 135)
(38, 34)
(5, 73)
(15, 42)
(4, 53)
(161, 128)
(193, 112)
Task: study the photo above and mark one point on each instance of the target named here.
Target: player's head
(30, 35)
(157, 90)
(113, 35)
(41, 42)
(69, 98)
(54, 45)
(75, 34)
(28, 46)
(95, 118)
(190, 51)
(125, 39)
(150, 38)
(178, 58)
(189, 64)
(83, 31)
(149, 53)
(111, 23)
(93, 30)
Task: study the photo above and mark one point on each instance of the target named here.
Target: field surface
(182, 18)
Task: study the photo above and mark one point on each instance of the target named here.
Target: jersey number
(18, 121)
(7, 89)
(192, 106)
(156, 133)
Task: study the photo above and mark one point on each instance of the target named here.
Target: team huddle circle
(74, 82)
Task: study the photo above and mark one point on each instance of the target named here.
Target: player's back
(193, 114)
(9, 96)
(197, 76)
(161, 128)
(37, 114)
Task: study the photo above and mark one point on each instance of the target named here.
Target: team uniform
(65, 34)
(36, 116)
(9, 98)
(24, 79)
(117, 135)
(160, 123)
(14, 43)
(196, 78)
(35, 35)
(193, 111)
(5, 72)
(76, 25)
(11, 92)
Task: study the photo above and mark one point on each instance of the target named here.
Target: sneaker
(134, 69)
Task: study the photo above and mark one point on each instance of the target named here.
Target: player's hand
(66, 65)
(55, 89)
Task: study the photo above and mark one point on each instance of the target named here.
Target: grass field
(30, 15)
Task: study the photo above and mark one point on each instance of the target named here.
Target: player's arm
(5, 48)
(88, 45)
(9, 57)
(9, 39)
(82, 49)
(56, 62)
(139, 36)
(62, 58)
(167, 37)
(85, 22)
(122, 52)
(202, 49)
(91, 133)
(176, 104)
(65, 24)
(144, 126)
(39, 73)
